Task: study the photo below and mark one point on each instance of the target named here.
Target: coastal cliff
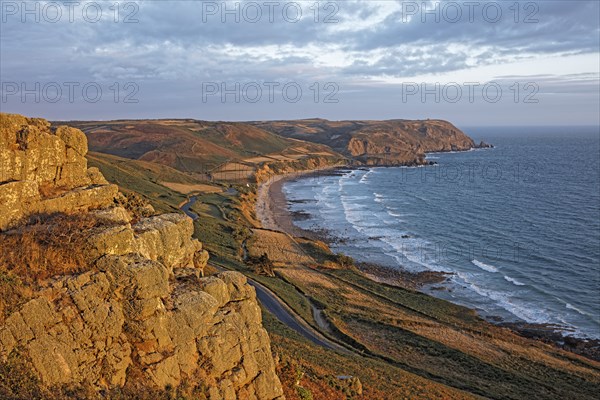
(100, 297)
(392, 142)
(238, 151)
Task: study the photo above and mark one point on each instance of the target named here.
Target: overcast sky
(473, 63)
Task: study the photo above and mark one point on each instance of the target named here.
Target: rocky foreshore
(552, 334)
(272, 204)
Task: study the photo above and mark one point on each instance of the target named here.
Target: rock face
(165, 238)
(140, 312)
(100, 326)
(44, 170)
(392, 142)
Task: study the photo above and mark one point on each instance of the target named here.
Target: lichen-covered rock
(73, 139)
(114, 240)
(31, 151)
(78, 199)
(117, 215)
(16, 199)
(96, 176)
(166, 238)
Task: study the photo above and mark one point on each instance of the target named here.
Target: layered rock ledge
(44, 170)
(139, 311)
(100, 327)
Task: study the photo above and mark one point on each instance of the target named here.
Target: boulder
(166, 238)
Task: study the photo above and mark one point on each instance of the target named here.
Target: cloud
(183, 43)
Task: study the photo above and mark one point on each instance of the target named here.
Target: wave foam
(508, 303)
(484, 266)
(513, 281)
(365, 177)
(571, 307)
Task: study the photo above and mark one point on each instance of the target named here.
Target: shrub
(304, 393)
(344, 261)
(262, 265)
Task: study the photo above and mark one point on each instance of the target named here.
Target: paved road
(275, 307)
(186, 208)
(287, 316)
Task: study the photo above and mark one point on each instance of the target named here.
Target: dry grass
(308, 278)
(49, 245)
(48, 190)
(186, 188)
(279, 247)
(233, 175)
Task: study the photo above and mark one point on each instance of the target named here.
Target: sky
(469, 62)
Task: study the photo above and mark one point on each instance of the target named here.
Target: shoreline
(273, 214)
(271, 203)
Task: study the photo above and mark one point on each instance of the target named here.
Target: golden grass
(308, 278)
(233, 175)
(279, 247)
(49, 245)
(235, 167)
(186, 188)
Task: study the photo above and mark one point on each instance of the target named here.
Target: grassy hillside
(230, 151)
(376, 142)
(224, 150)
(143, 178)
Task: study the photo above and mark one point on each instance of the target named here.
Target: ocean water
(518, 226)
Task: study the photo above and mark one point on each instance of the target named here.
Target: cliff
(392, 142)
(235, 151)
(45, 171)
(100, 296)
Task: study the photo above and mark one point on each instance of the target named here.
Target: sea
(517, 227)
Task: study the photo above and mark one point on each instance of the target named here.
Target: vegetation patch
(49, 245)
(279, 247)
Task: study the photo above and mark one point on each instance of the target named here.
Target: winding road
(282, 312)
(273, 304)
(186, 208)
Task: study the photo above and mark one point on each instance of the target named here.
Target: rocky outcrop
(99, 327)
(166, 238)
(44, 170)
(140, 311)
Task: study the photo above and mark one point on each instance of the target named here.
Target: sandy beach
(273, 214)
(271, 204)
(265, 203)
